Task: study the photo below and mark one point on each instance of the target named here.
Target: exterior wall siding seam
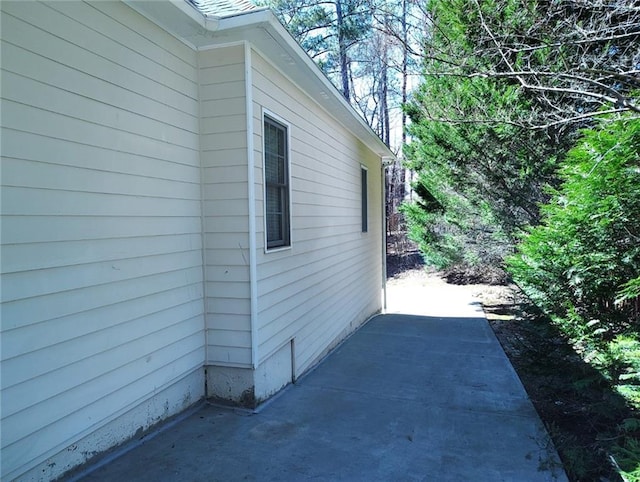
(96, 332)
(48, 83)
(94, 146)
(63, 391)
(178, 69)
(115, 40)
(122, 130)
(132, 69)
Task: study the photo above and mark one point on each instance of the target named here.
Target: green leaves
(586, 254)
(629, 291)
(468, 139)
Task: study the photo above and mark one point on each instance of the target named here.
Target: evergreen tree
(486, 172)
(507, 84)
(585, 254)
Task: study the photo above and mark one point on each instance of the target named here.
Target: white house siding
(102, 302)
(226, 210)
(329, 281)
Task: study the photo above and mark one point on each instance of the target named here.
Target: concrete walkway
(407, 397)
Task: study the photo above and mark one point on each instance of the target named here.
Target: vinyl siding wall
(329, 281)
(226, 209)
(102, 293)
(125, 230)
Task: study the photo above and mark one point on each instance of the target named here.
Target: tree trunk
(342, 51)
(405, 75)
(384, 94)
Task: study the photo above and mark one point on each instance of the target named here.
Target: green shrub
(585, 255)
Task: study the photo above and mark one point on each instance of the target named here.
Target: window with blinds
(276, 174)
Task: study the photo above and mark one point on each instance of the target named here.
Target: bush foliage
(582, 262)
(478, 177)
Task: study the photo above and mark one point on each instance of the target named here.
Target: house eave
(274, 40)
(262, 29)
(177, 17)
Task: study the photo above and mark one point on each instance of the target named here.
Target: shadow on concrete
(404, 398)
(581, 409)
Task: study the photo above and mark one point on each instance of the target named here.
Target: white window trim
(277, 118)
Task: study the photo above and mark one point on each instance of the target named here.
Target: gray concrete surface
(430, 398)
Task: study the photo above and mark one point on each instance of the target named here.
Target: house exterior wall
(134, 271)
(226, 234)
(102, 319)
(226, 220)
(329, 281)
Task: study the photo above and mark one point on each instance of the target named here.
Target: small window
(363, 177)
(276, 184)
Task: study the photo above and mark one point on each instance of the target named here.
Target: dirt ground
(576, 404)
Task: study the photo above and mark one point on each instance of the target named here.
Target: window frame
(364, 198)
(279, 123)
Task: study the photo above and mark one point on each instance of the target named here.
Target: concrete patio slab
(407, 397)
